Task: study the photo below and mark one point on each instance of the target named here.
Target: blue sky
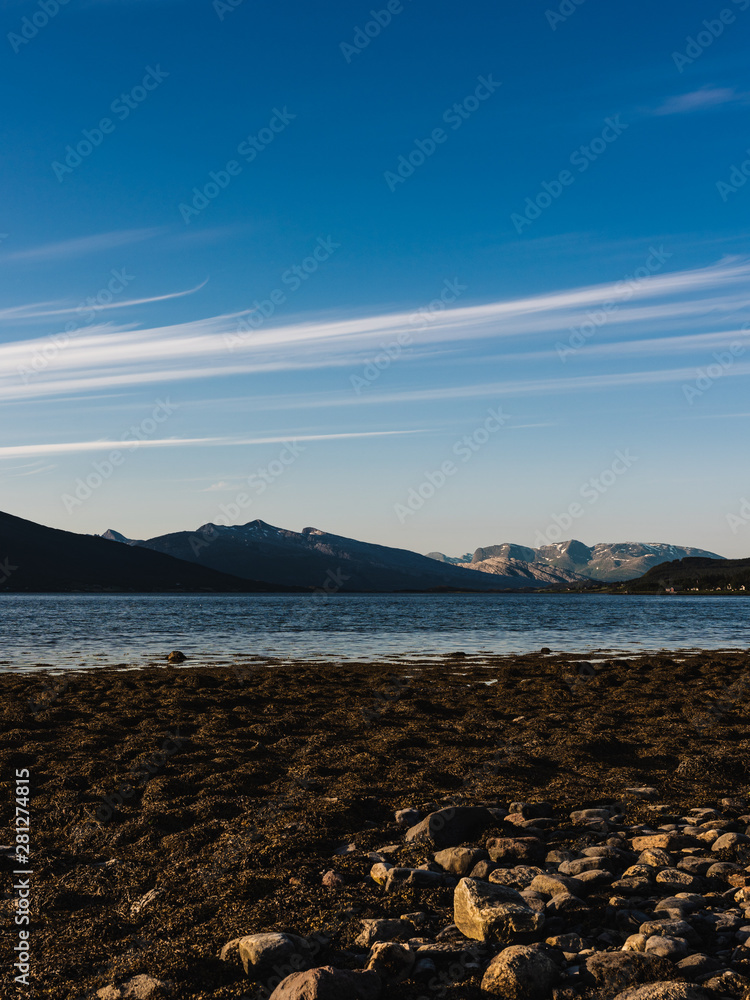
(255, 267)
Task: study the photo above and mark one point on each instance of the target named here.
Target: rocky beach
(526, 827)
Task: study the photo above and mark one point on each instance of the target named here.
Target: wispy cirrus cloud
(59, 309)
(109, 358)
(75, 447)
(81, 246)
(700, 100)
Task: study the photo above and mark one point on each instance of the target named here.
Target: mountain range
(258, 557)
(605, 562)
(323, 561)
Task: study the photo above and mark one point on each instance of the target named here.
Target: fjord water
(75, 631)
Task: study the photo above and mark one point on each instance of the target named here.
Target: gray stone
(635, 886)
(408, 817)
(638, 871)
(695, 865)
(671, 948)
(687, 902)
(655, 857)
(566, 942)
(484, 911)
(720, 869)
(553, 885)
(645, 792)
(558, 857)
(416, 878)
(519, 877)
(728, 983)
(483, 870)
(327, 983)
(459, 861)
(579, 865)
(516, 850)
(697, 964)
(635, 942)
(535, 900)
(383, 930)
(727, 841)
(595, 878)
(449, 827)
(675, 880)
(379, 872)
(392, 962)
(618, 970)
(138, 988)
(608, 851)
(666, 928)
(261, 954)
(589, 815)
(520, 972)
(566, 904)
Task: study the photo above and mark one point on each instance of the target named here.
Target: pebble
(333, 880)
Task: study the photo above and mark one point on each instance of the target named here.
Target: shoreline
(245, 781)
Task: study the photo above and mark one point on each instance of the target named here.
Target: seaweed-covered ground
(175, 809)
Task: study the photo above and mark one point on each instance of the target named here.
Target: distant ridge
(696, 574)
(37, 559)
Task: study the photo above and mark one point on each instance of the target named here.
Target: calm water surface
(74, 631)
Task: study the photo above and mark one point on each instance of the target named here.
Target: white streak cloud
(108, 358)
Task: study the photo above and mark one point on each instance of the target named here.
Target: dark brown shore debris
(176, 810)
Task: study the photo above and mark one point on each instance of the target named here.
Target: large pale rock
(485, 911)
(520, 972)
(450, 827)
(263, 954)
(327, 983)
